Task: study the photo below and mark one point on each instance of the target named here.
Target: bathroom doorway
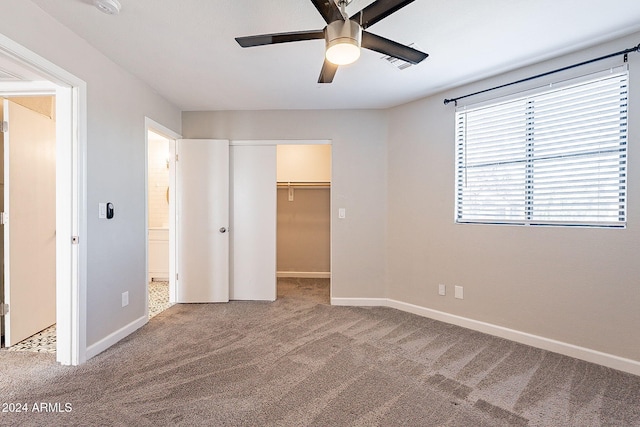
(158, 213)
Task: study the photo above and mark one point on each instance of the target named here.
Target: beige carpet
(299, 362)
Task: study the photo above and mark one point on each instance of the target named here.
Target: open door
(202, 220)
(29, 222)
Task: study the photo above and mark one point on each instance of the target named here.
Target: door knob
(223, 230)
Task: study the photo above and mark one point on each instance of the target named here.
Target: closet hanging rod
(304, 184)
(611, 55)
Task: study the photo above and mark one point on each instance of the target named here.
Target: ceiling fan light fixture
(343, 41)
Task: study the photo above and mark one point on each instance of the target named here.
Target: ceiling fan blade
(328, 71)
(377, 11)
(328, 9)
(294, 36)
(391, 48)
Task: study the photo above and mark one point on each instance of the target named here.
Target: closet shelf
(302, 184)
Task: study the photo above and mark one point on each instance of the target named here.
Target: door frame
(71, 188)
(152, 125)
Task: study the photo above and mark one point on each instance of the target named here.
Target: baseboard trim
(571, 350)
(305, 274)
(111, 339)
(360, 302)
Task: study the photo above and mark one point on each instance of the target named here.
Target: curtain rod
(611, 55)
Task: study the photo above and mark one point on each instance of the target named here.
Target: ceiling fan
(344, 36)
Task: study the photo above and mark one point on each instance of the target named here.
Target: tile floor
(45, 341)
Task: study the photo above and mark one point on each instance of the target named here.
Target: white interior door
(254, 221)
(30, 231)
(202, 220)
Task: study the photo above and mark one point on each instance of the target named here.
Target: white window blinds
(554, 157)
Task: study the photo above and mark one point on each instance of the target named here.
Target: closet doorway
(280, 217)
(303, 248)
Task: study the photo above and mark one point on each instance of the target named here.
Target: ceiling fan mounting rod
(342, 4)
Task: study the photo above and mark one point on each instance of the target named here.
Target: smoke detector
(110, 7)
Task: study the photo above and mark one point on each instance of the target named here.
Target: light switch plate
(102, 210)
(459, 292)
(442, 289)
(342, 213)
(125, 299)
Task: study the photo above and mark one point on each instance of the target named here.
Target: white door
(30, 231)
(202, 220)
(254, 221)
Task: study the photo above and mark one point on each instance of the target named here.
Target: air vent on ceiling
(399, 63)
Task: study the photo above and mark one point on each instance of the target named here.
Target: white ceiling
(185, 49)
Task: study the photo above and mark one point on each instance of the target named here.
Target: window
(553, 157)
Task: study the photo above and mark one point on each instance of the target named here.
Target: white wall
(359, 181)
(304, 230)
(575, 285)
(303, 163)
(115, 162)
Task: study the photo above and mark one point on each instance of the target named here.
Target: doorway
(158, 163)
(160, 217)
(29, 75)
(304, 220)
(29, 237)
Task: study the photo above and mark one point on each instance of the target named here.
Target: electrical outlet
(442, 289)
(125, 299)
(459, 292)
